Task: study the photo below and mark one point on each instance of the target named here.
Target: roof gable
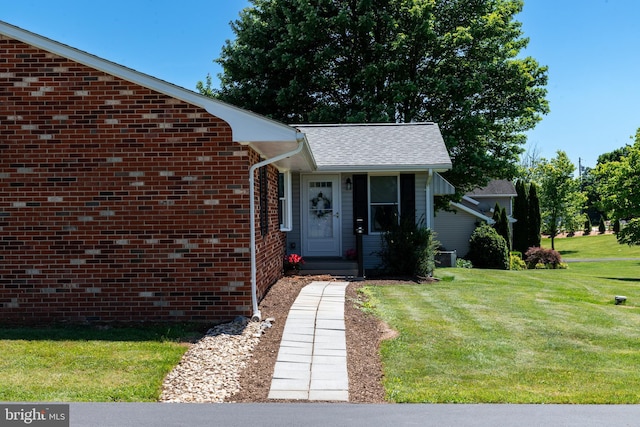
(246, 126)
(377, 146)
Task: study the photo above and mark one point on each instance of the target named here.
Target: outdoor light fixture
(348, 183)
(620, 299)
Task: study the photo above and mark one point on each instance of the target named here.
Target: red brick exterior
(118, 203)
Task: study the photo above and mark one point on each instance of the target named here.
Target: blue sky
(590, 46)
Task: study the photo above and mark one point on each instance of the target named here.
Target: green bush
(561, 266)
(543, 258)
(408, 249)
(516, 262)
(487, 249)
(463, 263)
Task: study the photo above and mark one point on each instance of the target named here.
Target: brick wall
(270, 247)
(118, 203)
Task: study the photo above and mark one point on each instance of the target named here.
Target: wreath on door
(321, 205)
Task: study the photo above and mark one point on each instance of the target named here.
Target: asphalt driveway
(352, 415)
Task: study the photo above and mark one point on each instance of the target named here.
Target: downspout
(301, 138)
(429, 206)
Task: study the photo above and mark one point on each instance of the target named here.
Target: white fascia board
(384, 168)
(481, 196)
(246, 125)
(489, 221)
(470, 200)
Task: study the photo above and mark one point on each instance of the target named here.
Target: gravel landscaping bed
(234, 362)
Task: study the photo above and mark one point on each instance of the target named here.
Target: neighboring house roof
(377, 147)
(268, 137)
(497, 187)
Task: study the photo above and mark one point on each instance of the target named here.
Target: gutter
(302, 140)
(429, 206)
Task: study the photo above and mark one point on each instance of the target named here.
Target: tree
(528, 162)
(520, 214)
(587, 226)
(602, 226)
(501, 224)
(496, 215)
(616, 226)
(560, 198)
(457, 63)
(618, 182)
(590, 183)
(588, 187)
(615, 155)
(505, 231)
(535, 220)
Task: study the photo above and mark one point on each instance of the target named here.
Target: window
(285, 212)
(384, 196)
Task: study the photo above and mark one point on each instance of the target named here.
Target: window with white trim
(384, 202)
(285, 210)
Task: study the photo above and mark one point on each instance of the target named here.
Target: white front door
(321, 229)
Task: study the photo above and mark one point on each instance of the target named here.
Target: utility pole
(580, 168)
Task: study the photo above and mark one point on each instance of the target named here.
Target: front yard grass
(594, 246)
(75, 364)
(536, 336)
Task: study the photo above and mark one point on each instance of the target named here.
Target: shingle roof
(498, 187)
(380, 146)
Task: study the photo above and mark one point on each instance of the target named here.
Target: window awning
(442, 187)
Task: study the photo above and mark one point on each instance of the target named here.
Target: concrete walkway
(312, 361)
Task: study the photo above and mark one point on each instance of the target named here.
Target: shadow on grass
(159, 333)
(567, 252)
(622, 279)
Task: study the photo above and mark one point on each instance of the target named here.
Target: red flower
(294, 259)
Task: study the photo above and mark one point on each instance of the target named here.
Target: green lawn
(537, 336)
(593, 246)
(86, 364)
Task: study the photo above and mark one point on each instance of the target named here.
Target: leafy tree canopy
(618, 182)
(615, 155)
(453, 62)
(560, 198)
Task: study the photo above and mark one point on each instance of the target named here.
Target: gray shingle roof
(379, 146)
(497, 187)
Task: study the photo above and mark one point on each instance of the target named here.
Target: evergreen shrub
(587, 226)
(487, 249)
(616, 226)
(602, 227)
